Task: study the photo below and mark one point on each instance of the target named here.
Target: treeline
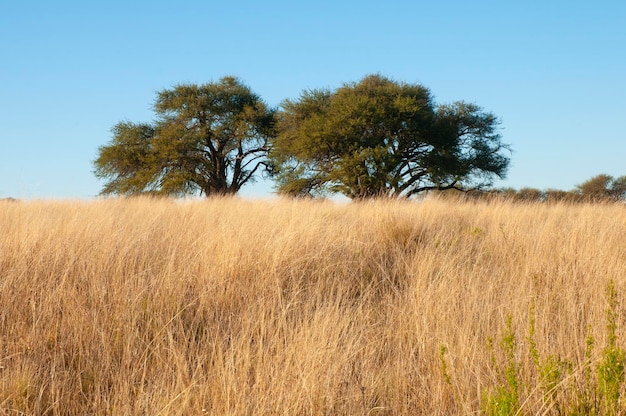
(600, 188)
(374, 138)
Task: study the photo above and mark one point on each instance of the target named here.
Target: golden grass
(231, 307)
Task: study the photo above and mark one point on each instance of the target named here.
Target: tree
(603, 187)
(618, 188)
(529, 195)
(379, 137)
(559, 195)
(595, 188)
(209, 139)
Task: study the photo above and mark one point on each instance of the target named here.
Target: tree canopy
(603, 187)
(380, 137)
(209, 139)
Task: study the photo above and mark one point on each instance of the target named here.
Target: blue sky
(553, 71)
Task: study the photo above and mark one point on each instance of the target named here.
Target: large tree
(208, 139)
(380, 137)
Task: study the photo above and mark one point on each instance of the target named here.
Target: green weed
(594, 396)
(504, 401)
(611, 368)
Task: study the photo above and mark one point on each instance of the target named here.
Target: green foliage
(444, 367)
(592, 396)
(552, 369)
(529, 195)
(505, 400)
(129, 160)
(379, 137)
(603, 187)
(586, 403)
(210, 139)
(611, 368)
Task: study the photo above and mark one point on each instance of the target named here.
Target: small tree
(559, 195)
(529, 195)
(380, 137)
(603, 187)
(208, 139)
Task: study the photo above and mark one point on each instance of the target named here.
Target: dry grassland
(231, 307)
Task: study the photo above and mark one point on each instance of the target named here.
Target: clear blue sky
(554, 71)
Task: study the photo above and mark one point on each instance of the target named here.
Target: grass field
(231, 307)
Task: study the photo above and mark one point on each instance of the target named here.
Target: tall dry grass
(231, 307)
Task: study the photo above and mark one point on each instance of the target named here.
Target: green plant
(505, 400)
(611, 368)
(551, 369)
(444, 368)
(592, 397)
(586, 403)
